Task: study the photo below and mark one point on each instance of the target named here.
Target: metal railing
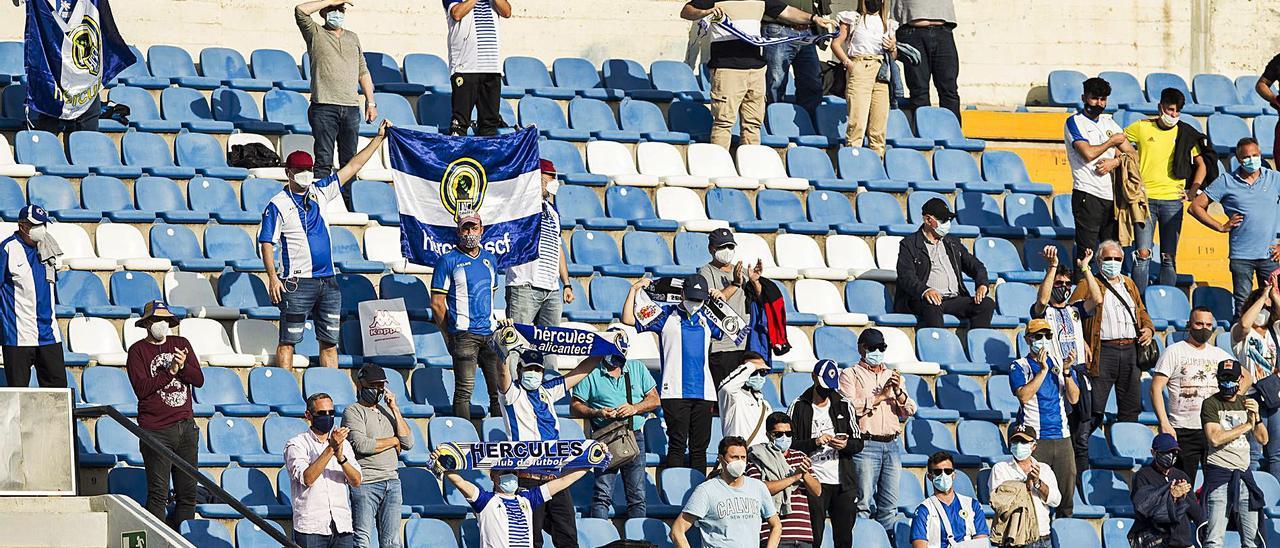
(186, 468)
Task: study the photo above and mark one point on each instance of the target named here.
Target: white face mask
(38, 233)
(335, 18)
(691, 307)
(736, 468)
(553, 186)
(1263, 318)
(303, 179)
(1168, 121)
(725, 255)
(158, 330)
(943, 229)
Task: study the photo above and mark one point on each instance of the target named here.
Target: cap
(530, 357)
(33, 214)
(299, 159)
(828, 374)
(547, 167)
(371, 373)
(1164, 443)
(157, 309)
(938, 208)
(1022, 432)
(1037, 325)
(871, 337)
(695, 288)
(1229, 368)
(468, 217)
(719, 237)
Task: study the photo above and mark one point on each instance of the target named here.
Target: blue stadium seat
(1247, 94)
(1075, 532)
(410, 288)
(237, 438)
(599, 250)
(731, 205)
(547, 116)
(277, 431)
(898, 133)
(256, 193)
(918, 390)
(1127, 94)
(228, 66)
(1115, 532)
(1106, 488)
(175, 63)
(959, 167)
(1167, 303)
(580, 75)
(649, 251)
(13, 115)
(151, 152)
(904, 164)
(1264, 130)
(87, 453)
(646, 118)
(234, 245)
(608, 293)
(834, 210)
(793, 122)
(979, 438)
(334, 382)
(1000, 395)
(941, 125)
(206, 155)
(1132, 440)
(96, 151)
(596, 118)
(529, 76)
(222, 390)
(354, 289)
(178, 244)
(422, 495)
(991, 347)
(925, 437)
(395, 108)
(109, 386)
(1007, 167)
(434, 386)
(1062, 212)
(59, 198)
(436, 109)
(1157, 82)
(11, 198)
(128, 481)
(596, 532)
(1015, 299)
(784, 208)
(449, 429)
(630, 205)
(865, 166)
(430, 350)
(943, 347)
(138, 75)
(1066, 87)
(1225, 130)
(839, 344)
(807, 162)
(288, 108)
(276, 387)
(109, 195)
(676, 484)
(387, 77)
(83, 291)
(678, 78)
(205, 533)
(428, 70)
(1031, 213)
(832, 121)
(279, 67)
(190, 108)
(162, 195)
(692, 117)
(691, 249)
(872, 298)
(569, 164)
(134, 290)
(215, 198)
(376, 198)
(651, 529)
(44, 150)
(249, 535)
(882, 209)
(630, 77)
(981, 210)
(348, 257)
(429, 532)
(253, 489)
(580, 309)
(1217, 299)
(1217, 91)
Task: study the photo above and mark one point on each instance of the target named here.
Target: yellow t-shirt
(1155, 159)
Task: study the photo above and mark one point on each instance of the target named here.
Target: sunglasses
(1041, 336)
(776, 435)
(325, 413)
(760, 373)
(728, 246)
(878, 348)
(942, 471)
(1113, 259)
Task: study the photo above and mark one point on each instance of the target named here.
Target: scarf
(726, 24)
(773, 464)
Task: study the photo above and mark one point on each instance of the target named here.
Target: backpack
(252, 155)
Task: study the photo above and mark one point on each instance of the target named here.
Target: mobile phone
(842, 437)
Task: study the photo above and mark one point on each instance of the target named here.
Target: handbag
(1148, 354)
(619, 436)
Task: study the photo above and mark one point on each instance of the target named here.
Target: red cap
(468, 218)
(548, 167)
(299, 160)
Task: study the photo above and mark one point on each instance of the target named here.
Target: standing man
(743, 408)
(729, 508)
(1092, 142)
(727, 280)
(880, 403)
(504, 515)
(1114, 331)
(1156, 525)
(930, 263)
(378, 433)
(30, 338)
(538, 290)
(337, 66)
(824, 428)
(1045, 389)
(927, 26)
(946, 517)
(800, 60)
(305, 285)
(620, 389)
(462, 287)
(788, 475)
(1270, 75)
(1189, 369)
(321, 468)
(684, 335)
(1228, 417)
(1156, 140)
(738, 68)
(1024, 472)
(163, 369)
(1250, 196)
(474, 64)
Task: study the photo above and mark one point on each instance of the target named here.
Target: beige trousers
(868, 103)
(734, 92)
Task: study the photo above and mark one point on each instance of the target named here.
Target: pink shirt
(860, 385)
(325, 502)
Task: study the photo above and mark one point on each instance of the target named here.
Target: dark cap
(719, 237)
(695, 288)
(939, 209)
(1164, 443)
(871, 337)
(371, 373)
(1229, 368)
(299, 160)
(828, 373)
(33, 214)
(159, 310)
(1022, 432)
(532, 358)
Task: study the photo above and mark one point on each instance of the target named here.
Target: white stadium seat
(8, 166)
(801, 357)
(802, 252)
(887, 253)
(337, 214)
(376, 169)
(211, 343)
(713, 162)
(684, 206)
(664, 161)
(98, 338)
(752, 247)
(764, 163)
(382, 243)
(824, 299)
(296, 141)
(124, 244)
(258, 338)
(853, 253)
(901, 354)
(77, 250)
(276, 173)
(614, 161)
(194, 291)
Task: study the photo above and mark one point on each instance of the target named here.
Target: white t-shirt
(826, 460)
(1095, 132)
(1193, 376)
(866, 32)
(473, 41)
(1258, 370)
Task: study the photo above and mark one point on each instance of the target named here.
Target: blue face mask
(1251, 164)
(1111, 269)
(1021, 451)
(782, 443)
(335, 18)
(942, 482)
(755, 382)
(874, 357)
(531, 380)
(1038, 345)
(508, 483)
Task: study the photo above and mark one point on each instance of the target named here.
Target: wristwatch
(342, 461)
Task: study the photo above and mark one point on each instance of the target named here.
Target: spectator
(163, 369)
(321, 471)
(1019, 475)
(1118, 326)
(743, 409)
(786, 472)
(930, 263)
(462, 288)
(621, 389)
(1248, 196)
(504, 515)
(684, 335)
(1156, 140)
(727, 280)
(738, 68)
(474, 64)
(378, 433)
(337, 66)
(1270, 75)
(538, 290)
(1045, 390)
(1189, 369)
(1229, 487)
(879, 402)
(31, 338)
(799, 60)
(946, 517)
(927, 26)
(865, 38)
(729, 508)
(1255, 348)
(1092, 144)
(529, 415)
(305, 285)
(1166, 515)
(824, 428)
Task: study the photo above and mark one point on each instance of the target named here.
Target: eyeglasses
(878, 348)
(1041, 336)
(942, 471)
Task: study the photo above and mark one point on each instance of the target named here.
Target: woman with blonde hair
(865, 46)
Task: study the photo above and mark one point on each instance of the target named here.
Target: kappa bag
(252, 156)
(619, 436)
(384, 328)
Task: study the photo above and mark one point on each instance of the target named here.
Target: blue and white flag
(563, 341)
(725, 29)
(438, 176)
(72, 47)
(550, 456)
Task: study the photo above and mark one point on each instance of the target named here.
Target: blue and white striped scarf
(726, 25)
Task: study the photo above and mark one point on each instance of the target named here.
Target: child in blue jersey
(505, 515)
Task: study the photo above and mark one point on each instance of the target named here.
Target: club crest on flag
(70, 51)
(85, 46)
(463, 187)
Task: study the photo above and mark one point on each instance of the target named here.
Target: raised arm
(461, 9)
(1091, 282)
(584, 368)
(502, 8)
(629, 305)
(468, 489)
(308, 8)
(349, 171)
(1050, 254)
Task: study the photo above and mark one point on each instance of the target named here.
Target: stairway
(82, 522)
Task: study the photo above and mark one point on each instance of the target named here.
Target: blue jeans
(801, 60)
(1267, 457)
(318, 298)
(633, 483)
(1243, 273)
(530, 305)
(335, 540)
(877, 468)
(1216, 515)
(375, 510)
(1168, 214)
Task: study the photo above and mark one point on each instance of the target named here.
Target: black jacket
(844, 421)
(914, 265)
(1158, 514)
(1183, 165)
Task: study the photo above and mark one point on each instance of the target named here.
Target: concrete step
(81, 529)
(46, 505)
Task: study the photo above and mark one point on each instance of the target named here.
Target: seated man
(929, 266)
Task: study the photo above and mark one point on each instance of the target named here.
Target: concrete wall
(1006, 47)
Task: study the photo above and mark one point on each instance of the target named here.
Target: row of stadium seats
(1212, 92)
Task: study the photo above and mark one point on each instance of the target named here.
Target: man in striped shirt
(534, 294)
(785, 472)
(474, 64)
(1046, 389)
(462, 287)
(30, 334)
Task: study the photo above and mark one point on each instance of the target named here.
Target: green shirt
(600, 390)
(337, 62)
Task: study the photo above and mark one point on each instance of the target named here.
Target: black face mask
(873, 6)
(822, 391)
(322, 423)
(1165, 461)
(1061, 293)
(1200, 336)
(1093, 111)
(369, 396)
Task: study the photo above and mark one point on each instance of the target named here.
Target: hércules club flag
(72, 47)
(438, 176)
